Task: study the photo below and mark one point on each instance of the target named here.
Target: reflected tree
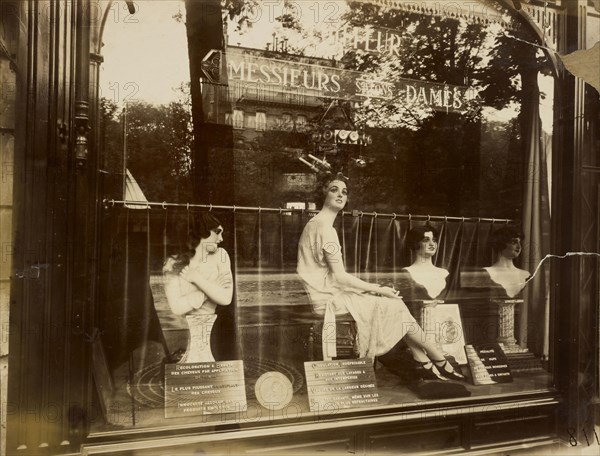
(153, 143)
(424, 160)
(517, 86)
(436, 155)
(111, 146)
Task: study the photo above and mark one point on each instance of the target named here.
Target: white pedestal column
(198, 349)
(427, 321)
(506, 325)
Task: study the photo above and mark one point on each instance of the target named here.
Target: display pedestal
(506, 324)
(198, 349)
(442, 325)
(519, 358)
(427, 319)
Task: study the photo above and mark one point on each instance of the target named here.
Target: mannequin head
(423, 240)
(323, 192)
(506, 242)
(203, 234)
(423, 243)
(205, 231)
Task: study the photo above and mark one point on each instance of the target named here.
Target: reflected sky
(145, 54)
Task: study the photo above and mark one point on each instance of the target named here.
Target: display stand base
(521, 359)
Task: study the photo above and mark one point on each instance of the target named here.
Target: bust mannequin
(423, 242)
(197, 280)
(506, 243)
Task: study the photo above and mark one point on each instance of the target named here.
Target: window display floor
(137, 400)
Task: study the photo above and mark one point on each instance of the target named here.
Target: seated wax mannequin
(196, 281)
(425, 280)
(381, 316)
(506, 278)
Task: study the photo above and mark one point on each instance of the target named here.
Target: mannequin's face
(428, 245)
(337, 195)
(211, 243)
(512, 249)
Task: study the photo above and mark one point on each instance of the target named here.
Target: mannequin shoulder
(442, 272)
(524, 274)
(223, 259)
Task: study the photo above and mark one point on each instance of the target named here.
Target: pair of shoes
(428, 371)
(443, 369)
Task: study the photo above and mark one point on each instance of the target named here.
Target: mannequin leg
(429, 356)
(422, 349)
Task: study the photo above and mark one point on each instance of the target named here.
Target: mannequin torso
(430, 277)
(511, 278)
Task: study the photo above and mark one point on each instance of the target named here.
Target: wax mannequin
(429, 280)
(506, 243)
(196, 281)
(381, 315)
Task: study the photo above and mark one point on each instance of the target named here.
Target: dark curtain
(270, 313)
(126, 314)
(536, 226)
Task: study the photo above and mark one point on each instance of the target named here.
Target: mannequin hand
(189, 274)
(389, 292)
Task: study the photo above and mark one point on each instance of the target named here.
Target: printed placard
(444, 327)
(488, 364)
(341, 384)
(204, 388)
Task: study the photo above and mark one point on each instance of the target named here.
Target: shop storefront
(455, 119)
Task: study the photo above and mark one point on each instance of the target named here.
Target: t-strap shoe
(446, 369)
(428, 371)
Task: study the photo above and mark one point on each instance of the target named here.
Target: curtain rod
(280, 210)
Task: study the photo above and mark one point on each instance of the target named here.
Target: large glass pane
(440, 122)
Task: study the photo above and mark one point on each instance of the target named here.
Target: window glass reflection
(442, 127)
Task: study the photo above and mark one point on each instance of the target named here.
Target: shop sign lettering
(373, 40)
(293, 75)
(436, 96)
(259, 78)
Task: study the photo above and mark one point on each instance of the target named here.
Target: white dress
(381, 322)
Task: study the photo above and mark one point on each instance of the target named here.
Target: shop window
(238, 119)
(251, 122)
(285, 122)
(261, 120)
(429, 134)
(301, 123)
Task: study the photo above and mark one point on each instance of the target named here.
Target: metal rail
(355, 213)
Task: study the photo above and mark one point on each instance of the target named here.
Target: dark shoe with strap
(428, 371)
(446, 369)
(399, 360)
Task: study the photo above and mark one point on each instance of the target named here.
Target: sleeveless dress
(381, 322)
